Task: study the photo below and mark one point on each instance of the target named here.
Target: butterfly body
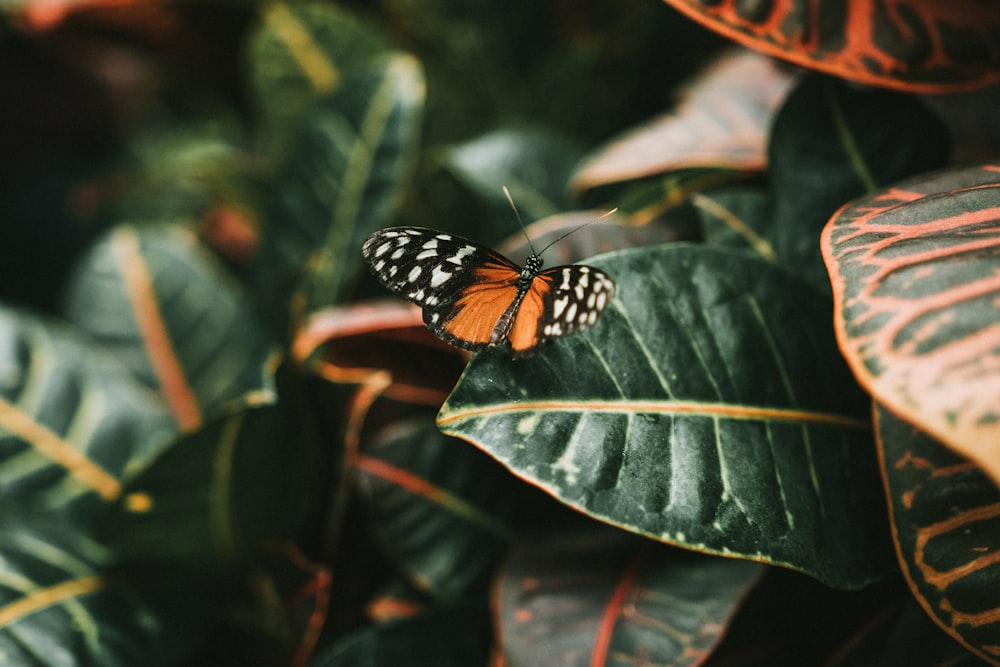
(475, 298)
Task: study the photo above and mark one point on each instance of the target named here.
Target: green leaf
(944, 515)
(58, 606)
(708, 408)
(299, 54)
(162, 304)
(534, 164)
(216, 495)
(832, 143)
(737, 217)
(450, 637)
(343, 180)
(440, 509)
(72, 419)
(629, 601)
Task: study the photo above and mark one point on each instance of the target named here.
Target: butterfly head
(532, 266)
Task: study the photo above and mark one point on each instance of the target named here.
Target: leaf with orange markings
(945, 514)
(441, 510)
(604, 597)
(73, 420)
(370, 364)
(707, 408)
(911, 45)
(162, 304)
(915, 271)
(384, 347)
(721, 122)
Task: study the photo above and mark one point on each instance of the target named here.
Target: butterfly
(476, 298)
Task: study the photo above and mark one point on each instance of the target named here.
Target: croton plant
(223, 443)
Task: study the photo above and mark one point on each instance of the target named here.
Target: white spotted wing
(475, 298)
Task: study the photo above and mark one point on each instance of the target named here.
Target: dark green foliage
(216, 447)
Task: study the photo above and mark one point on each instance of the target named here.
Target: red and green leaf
(721, 122)
(603, 597)
(708, 408)
(912, 45)
(946, 522)
(915, 277)
(441, 509)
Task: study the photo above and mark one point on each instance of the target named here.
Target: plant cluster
(224, 443)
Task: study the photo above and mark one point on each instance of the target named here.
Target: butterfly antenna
(576, 229)
(519, 220)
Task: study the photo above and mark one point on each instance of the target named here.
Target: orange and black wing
(463, 287)
(560, 301)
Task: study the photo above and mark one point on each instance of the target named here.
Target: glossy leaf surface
(945, 513)
(602, 597)
(73, 421)
(163, 305)
(915, 272)
(913, 45)
(708, 408)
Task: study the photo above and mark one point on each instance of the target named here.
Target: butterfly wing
(462, 286)
(561, 301)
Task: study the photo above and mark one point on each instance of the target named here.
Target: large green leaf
(441, 510)
(914, 271)
(708, 408)
(73, 421)
(163, 305)
(599, 596)
(59, 606)
(342, 181)
(944, 512)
